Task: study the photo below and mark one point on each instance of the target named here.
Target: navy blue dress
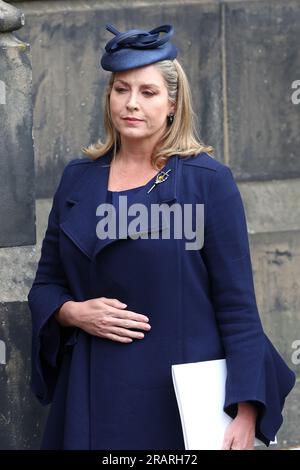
(113, 196)
(201, 305)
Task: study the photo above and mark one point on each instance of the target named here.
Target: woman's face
(140, 93)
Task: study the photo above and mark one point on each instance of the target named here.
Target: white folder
(200, 394)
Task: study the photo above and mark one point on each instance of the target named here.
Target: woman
(115, 303)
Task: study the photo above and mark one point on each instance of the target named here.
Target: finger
(227, 443)
(128, 333)
(121, 322)
(113, 302)
(127, 314)
(120, 339)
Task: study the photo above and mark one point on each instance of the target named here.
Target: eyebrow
(143, 84)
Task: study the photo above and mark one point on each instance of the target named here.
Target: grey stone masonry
(17, 216)
(262, 65)
(20, 415)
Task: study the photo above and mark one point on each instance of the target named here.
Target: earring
(171, 118)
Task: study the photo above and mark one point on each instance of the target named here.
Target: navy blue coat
(201, 306)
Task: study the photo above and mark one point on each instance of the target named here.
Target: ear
(172, 108)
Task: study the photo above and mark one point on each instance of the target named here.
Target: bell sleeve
(255, 370)
(49, 291)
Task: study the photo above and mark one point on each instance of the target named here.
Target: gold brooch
(160, 178)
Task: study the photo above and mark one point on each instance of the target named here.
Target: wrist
(66, 315)
(246, 409)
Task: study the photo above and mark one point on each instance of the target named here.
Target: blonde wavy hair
(179, 138)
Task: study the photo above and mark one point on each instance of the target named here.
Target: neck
(136, 152)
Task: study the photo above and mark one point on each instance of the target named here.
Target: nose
(132, 102)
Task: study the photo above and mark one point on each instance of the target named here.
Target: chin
(133, 134)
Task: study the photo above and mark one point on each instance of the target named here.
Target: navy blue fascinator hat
(136, 48)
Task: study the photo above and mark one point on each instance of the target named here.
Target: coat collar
(91, 191)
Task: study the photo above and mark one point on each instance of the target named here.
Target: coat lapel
(80, 222)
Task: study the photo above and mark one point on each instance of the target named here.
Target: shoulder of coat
(203, 160)
(78, 165)
(80, 161)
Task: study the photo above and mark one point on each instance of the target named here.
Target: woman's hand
(240, 433)
(105, 318)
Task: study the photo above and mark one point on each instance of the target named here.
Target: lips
(129, 119)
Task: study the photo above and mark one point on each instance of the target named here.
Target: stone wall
(243, 62)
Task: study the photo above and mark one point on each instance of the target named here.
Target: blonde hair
(180, 137)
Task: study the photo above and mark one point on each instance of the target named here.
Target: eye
(120, 90)
(148, 93)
